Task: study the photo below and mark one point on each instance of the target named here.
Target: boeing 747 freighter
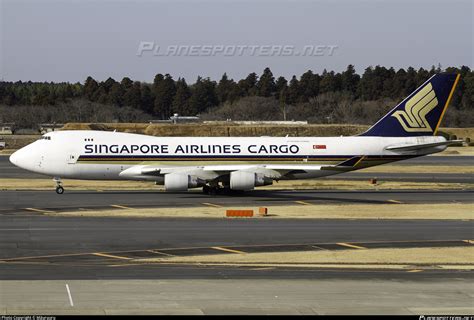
(213, 164)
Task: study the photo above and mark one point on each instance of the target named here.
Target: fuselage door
(71, 159)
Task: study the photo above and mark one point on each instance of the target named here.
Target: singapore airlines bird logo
(413, 118)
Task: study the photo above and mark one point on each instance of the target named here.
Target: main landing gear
(214, 189)
(59, 186)
(211, 190)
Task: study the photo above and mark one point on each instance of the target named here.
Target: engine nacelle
(244, 180)
(181, 182)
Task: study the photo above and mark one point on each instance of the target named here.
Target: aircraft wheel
(213, 191)
(205, 189)
(59, 190)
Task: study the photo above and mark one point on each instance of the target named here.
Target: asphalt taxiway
(26, 202)
(68, 265)
(70, 244)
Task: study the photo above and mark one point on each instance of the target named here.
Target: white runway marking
(69, 295)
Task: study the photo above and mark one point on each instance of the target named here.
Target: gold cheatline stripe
(447, 103)
(213, 159)
(228, 250)
(350, 245)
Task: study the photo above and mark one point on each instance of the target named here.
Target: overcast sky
(44, 40)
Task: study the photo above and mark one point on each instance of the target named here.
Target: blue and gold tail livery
(420, 114)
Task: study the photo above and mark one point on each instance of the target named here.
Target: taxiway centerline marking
(159, 252)
(119, 206)
(228, 250)
(394, 201)
(350, 245)
(69, 295)
(211, 205)
(415, 270)
(319, 248)
(110, 256)
(304, 203)
(39, 210)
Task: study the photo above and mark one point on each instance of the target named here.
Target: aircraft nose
(14, 158)
(17, 157)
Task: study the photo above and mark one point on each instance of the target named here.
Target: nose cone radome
(14, 158)
(18, 158)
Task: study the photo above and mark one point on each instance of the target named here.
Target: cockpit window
(45, 138)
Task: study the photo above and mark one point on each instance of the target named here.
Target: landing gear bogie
(59, 186)
(211, 190)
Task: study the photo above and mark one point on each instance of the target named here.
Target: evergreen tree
(147, 100)
(164, 94)
(132, 95)
(266, 83)
(90, 87)
(350, 79)
(115, 95)
(308, 85)
(329, 82)
(203, 96)
(293, 92)
(248, 85)
(181, 98)
(280, 84)
(224, 88)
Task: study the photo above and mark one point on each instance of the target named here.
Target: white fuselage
(108, 155)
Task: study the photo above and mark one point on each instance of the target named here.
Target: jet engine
(181, 182)
(244, 180)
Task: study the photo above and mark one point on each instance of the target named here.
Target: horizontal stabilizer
(415, 147)
(347, 164)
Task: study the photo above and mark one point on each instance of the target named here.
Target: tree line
(166, 95)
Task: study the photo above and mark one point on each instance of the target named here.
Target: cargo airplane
(243, 163)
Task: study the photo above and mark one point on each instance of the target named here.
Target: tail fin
(420, 114)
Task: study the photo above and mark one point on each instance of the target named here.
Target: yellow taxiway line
(350, 245)
(394, 201)
(162, 253)
(119, 206)
(110, 256)
(211, 205)
(39, 210)
(228, 250)
(304, 203)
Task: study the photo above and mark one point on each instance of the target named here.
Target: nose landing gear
(59, 187)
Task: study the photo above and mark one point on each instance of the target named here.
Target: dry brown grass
(303, 210)
(451, 258)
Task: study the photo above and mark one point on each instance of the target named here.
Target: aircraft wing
(210, 172)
